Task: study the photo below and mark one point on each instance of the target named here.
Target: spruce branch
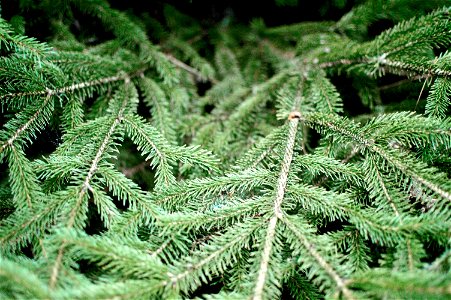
(37, 121)
(402, 162)
(281, 178)
(150, 142)
(325, 265)
(86, 186)
(199, 189)
(212, 258)
(157, 99)
(17, 43)
(218, 216)
(389, 199)
(23, 180)
(16, 229)
(113, 255)
(76, 86)
(17, 273)
(381, 64)
(280, 193)
(422, 179)
(438, 98)
(126, 289)
(404, 49)
(402, 284)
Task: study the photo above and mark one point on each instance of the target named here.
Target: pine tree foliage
(264, 186)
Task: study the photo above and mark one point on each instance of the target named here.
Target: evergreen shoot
(166, 157)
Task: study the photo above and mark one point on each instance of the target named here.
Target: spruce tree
(159, 158)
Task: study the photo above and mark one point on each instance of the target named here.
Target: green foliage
(269, 184)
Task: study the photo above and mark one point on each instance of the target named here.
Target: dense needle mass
(234, 161)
